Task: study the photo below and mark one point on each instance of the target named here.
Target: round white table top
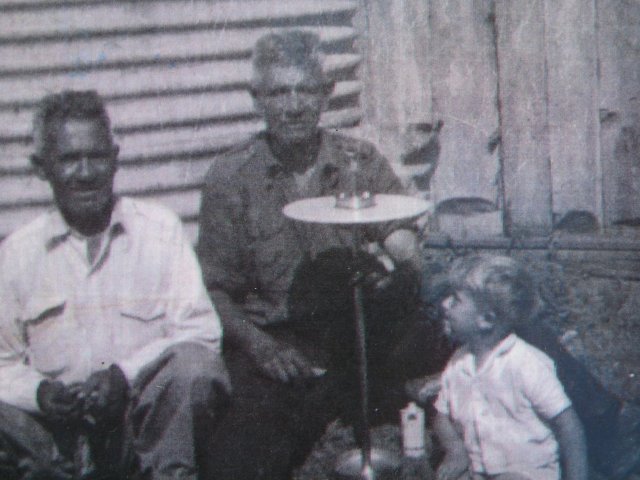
(387, 207)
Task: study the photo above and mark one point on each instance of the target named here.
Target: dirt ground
(597, 303)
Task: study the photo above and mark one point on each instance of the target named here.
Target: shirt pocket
(145, 312)
(50, 334)
(142, 322)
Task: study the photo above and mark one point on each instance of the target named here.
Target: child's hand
(423, 390)
(453, 466)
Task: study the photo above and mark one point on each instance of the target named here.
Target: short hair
(53, 110)
(500, 286)
(290, 48)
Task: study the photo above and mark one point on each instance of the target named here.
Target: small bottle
(412, 426)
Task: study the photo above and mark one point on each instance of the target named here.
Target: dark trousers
(271, 427)
(180, 393)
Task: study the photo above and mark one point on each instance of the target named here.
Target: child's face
(461, 316)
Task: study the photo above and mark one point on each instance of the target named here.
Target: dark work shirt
(248, 249)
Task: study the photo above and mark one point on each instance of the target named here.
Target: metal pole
(367, 471)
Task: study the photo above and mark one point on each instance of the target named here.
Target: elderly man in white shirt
(108, 339)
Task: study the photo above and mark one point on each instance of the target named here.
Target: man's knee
(200, 372)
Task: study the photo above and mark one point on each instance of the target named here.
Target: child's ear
(486, 322)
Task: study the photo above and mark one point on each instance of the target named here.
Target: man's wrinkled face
(80, 169)
(291, 99)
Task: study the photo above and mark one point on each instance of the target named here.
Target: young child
(502, 413)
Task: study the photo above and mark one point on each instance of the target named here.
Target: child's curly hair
(500, 286)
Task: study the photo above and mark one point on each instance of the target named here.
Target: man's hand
(59, 403)
(403, 246)
(280, 361)
(58, 469)
(106, 394)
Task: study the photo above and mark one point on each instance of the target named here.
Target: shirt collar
(59, 230)
(505, 345)
(501, 349)
(326, 171)
(273, 167)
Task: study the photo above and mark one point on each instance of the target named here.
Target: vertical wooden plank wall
(395, 71)
(522, 80)
(433, 62)
(618, 44)
(568, 77)
(572, 89)
(464, 86)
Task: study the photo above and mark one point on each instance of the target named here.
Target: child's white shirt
(502, 409)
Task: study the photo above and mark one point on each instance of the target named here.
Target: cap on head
(55, 109)
(292, 48)
(500, 286)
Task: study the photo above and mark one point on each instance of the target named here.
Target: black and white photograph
(319, 239)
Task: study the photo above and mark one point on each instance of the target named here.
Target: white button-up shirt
(64, 316)
(503, 408)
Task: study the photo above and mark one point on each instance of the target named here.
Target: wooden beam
(522, 77)
(619, 67)
(573, 105)
(464, 85)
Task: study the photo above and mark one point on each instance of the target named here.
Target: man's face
(80, 168)
(291, 100)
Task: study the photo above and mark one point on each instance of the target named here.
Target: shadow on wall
(576, 221)
(419, 159)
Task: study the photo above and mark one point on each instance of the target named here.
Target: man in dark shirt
(282, 288)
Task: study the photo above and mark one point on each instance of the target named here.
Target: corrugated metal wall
(174, 74)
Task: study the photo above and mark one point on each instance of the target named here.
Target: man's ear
(37, 162)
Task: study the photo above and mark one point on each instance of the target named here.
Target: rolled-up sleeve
(543, 388)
